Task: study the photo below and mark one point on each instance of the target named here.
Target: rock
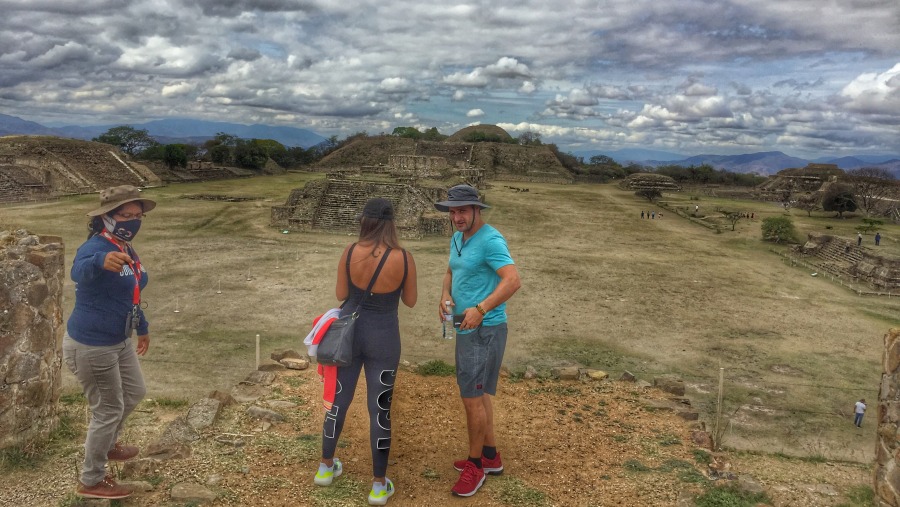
(597, 374)
(224, 398)
(670, 385)
(627, 376)
(162, 451)
(702, 439)
(643, 384)
(273, 367)
(265, 414)
(137, 486)
(204, 413)
(749, 484)
(139, 468)
(189, 492)
(566, 373)
(178, 431)
(286, 354)
(504, 372)
(292, 363)
(264, 378)
(248, 393)
(530, 372)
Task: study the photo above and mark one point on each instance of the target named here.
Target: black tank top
(386, 302)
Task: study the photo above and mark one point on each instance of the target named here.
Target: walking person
(877, 238)
(858, 239)
(480, 278)
(859, 411)
(375, 258)
(99, 347)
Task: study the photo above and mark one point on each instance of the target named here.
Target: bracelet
(480, 309)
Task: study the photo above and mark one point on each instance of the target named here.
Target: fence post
(719, 408)
(257, 352)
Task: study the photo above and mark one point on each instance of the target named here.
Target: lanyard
(135, 267)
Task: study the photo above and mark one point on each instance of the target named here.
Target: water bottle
(449, 331)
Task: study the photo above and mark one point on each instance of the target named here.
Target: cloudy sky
(807, 77)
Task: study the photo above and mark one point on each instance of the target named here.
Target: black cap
(378, 208)
(460, 195)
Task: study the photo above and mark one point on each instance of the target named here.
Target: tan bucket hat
(113, 197)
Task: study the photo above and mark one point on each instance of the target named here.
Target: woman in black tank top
(376, 345)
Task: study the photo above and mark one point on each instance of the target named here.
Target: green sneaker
(326, 473)
(380, 494)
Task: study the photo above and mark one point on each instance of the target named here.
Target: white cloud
(177, 89)
(874, 93)
(475, 113)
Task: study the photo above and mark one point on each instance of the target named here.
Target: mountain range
(197, 131)
(169, 131)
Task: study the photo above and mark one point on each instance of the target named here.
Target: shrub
(436, 368)
(778, 229)
(730, 496)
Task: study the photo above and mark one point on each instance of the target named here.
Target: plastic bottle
(449, 330)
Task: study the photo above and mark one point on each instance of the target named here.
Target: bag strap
(374, 277)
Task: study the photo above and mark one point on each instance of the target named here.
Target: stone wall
(887, 447)
(31, 330)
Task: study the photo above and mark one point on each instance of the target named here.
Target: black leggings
(376, 347)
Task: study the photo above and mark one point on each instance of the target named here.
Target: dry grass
(601, 287)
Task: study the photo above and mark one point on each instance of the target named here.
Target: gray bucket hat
(113, 197)
(460, 195)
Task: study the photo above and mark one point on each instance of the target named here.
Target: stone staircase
(342, 201)
(838, 257)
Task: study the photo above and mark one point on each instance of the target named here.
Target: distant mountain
(10, 125)
(627, 155)
(170, 131)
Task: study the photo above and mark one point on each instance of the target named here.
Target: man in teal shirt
(480, 278)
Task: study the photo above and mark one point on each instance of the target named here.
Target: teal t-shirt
(473, 265)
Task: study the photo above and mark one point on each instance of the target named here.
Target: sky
(810, 78)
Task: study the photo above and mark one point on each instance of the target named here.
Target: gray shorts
(479, 355)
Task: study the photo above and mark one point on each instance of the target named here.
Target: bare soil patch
(563, 443)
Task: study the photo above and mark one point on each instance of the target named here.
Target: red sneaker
(490, 466)
(469, 481)
(107, 489)
(122, 452)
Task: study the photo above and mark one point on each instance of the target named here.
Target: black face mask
(125, 230)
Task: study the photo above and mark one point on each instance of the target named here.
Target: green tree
(129, 139)
(872, 224)
(251, 154)
(408, 132)
(808, 202)
(733, 217)
(839, 198)
(175, 155)
(778, 229)
(651, 194)
(871, 185)
(529, 138)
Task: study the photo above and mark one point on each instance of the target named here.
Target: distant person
(858, 239)
(653, 215)
(877, 238)
(376, 345)
(480, 278)
(696, 208)
(660, 214)
(98, 346)
(642, 214)
(860, 410)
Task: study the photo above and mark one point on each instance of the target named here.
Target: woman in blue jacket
(98, 346)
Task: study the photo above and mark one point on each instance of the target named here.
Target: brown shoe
(107, 488)
(122, 452)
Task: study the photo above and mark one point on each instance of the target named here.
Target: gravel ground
(592, 443)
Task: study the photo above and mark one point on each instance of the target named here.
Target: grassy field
(601, 288)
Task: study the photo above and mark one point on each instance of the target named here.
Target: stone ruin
(842, 257)
(886, 475)
(649, 181)
(409, 182)
(199, 170)
(42, 167)
(31, 331)
(812, 179)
